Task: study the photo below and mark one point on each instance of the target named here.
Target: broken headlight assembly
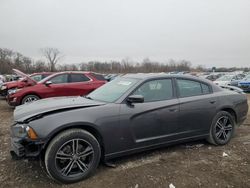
(24, 131)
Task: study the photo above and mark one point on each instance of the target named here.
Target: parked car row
(24, 81)
(44, 85)
(132, 113)
(244, 84)
(239, 80)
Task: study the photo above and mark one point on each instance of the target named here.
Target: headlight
(12, 91)
(23, 131)
(3, 87)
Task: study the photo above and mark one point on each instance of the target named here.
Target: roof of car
(158, 75)
(145, 76)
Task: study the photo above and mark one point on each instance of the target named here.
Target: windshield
(37, 77)
(225, 78)
(113, 90)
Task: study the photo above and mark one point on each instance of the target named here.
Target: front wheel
(30, 98)
(222, 128)
(73, 155)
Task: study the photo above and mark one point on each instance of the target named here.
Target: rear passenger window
(98, 76)
(189, 88)
(156, 90)
(205, 88)
(79, 78)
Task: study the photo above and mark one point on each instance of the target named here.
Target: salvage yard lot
(195, 164)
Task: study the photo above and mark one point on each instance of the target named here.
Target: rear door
(197, 107)
(80, 84)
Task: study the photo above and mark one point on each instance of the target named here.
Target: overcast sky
(207, 32)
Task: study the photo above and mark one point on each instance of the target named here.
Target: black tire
(221, 131)
(81, 167)
(31, 97)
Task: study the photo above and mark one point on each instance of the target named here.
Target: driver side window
(60, 79)
(156, 90)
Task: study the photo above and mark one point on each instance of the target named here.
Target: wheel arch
(29, 93)
(231, 111)
(84, 126)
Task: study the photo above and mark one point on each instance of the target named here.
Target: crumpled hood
(20, 73)
(46, 106)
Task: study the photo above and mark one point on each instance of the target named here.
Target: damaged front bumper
(24, 147)
(21, 148)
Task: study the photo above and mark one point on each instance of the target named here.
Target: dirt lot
(188, 165)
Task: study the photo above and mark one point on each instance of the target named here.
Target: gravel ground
(195, 164)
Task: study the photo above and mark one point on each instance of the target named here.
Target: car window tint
(188, 88)
(79, 78)
(98, 76)
(113, 90)
(37, 77)
(44, 76)
(156, 90)
(205, 88)
(59, 79)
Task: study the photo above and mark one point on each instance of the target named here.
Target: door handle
(173, 110)
(212, 101)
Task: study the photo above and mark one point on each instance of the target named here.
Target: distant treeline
(10, 59)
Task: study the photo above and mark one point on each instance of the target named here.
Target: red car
(55, 85)
(25, 81)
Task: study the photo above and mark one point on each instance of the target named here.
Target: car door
(197, 107)
(155, 120)
(80, 84)
(57, 87)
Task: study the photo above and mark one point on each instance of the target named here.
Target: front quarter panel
(102, 118)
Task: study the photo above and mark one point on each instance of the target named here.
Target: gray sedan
(133, 113)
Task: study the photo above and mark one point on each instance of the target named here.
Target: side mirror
(48, 83)
(135, 99)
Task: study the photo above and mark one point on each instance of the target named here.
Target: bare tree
(53, 55)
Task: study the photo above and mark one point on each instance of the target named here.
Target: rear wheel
(222, 128)
(73, 155)
(30, 98)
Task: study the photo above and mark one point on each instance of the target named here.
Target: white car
(226, 80)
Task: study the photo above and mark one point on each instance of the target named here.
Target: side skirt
(154, 146)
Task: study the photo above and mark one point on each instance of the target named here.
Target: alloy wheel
(223, 128)
(30, 99)
(74, 158)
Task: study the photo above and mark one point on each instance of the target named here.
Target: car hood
(14, 84)
(20, 73)
(51, 105)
